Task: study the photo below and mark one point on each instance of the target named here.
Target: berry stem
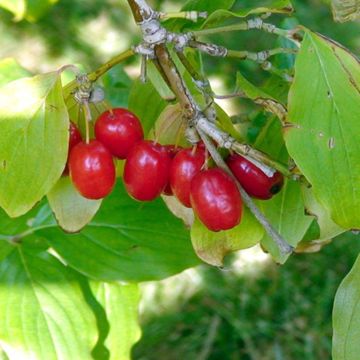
(87, 117)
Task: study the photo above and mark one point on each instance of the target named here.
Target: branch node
(144, 50)
(192, 135)
(153, 32)
(255, 23)
(180, 41)
(210, 49)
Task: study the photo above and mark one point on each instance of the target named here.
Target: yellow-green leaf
(259, 7)
(33, 140)
(346, 10)
(10, 70)
(17, 7)
(212, 247)
(120, 303)
(324, 140)
(72, 211)
(43, 314)
(346, 317)
(286, 213)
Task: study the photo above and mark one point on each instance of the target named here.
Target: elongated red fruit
(119, 130)
(74, 138)
(92, 169)
(186, 164)
(216, 200)
(172, 151)
(254, 181)
(146, 171)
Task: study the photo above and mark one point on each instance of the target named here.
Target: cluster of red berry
(152, 169)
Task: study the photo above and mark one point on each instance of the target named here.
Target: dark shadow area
(275, 313)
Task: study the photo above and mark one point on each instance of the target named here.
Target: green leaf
(3, 355)
(277, 88)
(346, 10)
(286, 213)
(17, 7)
(346, 317)
(31, 10)
(5, 248)
(212, 247)
(71, 210)
(128, 241)
(206, 5)
(225, 123)
(146, 103)
(33, 141)
(159, 84)
(36, 9)
(325, 138)
(117, 85)
(270, 140)
(42, 311)
(259, 7)
(260, 97)
(201, 6)
(120, 303)
(10, 70)
(179, 210)
(170, 126)
(123, 233)
(328, 229)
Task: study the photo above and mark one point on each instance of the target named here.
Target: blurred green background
(251, 309)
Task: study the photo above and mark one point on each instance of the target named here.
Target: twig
(95, 75)
(211, 335)
(252, 24)
(188, 15)
(220, 51)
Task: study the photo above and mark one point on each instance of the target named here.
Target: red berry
(92, 169)
(172, 151)
(186, 164)
(254, 181)
(216, 200)
(74, 138)
(118, 130)
(146, 171)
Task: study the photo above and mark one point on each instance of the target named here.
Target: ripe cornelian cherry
(74, 138)
(185, 165)
(172, 151)
(118, 129)
(92, 169)
(216, 200)
(146, 171)
(254, 181)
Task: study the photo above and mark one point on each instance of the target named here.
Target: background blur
(251, 309)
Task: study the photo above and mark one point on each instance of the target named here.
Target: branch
(177, 84)
(142, 14)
